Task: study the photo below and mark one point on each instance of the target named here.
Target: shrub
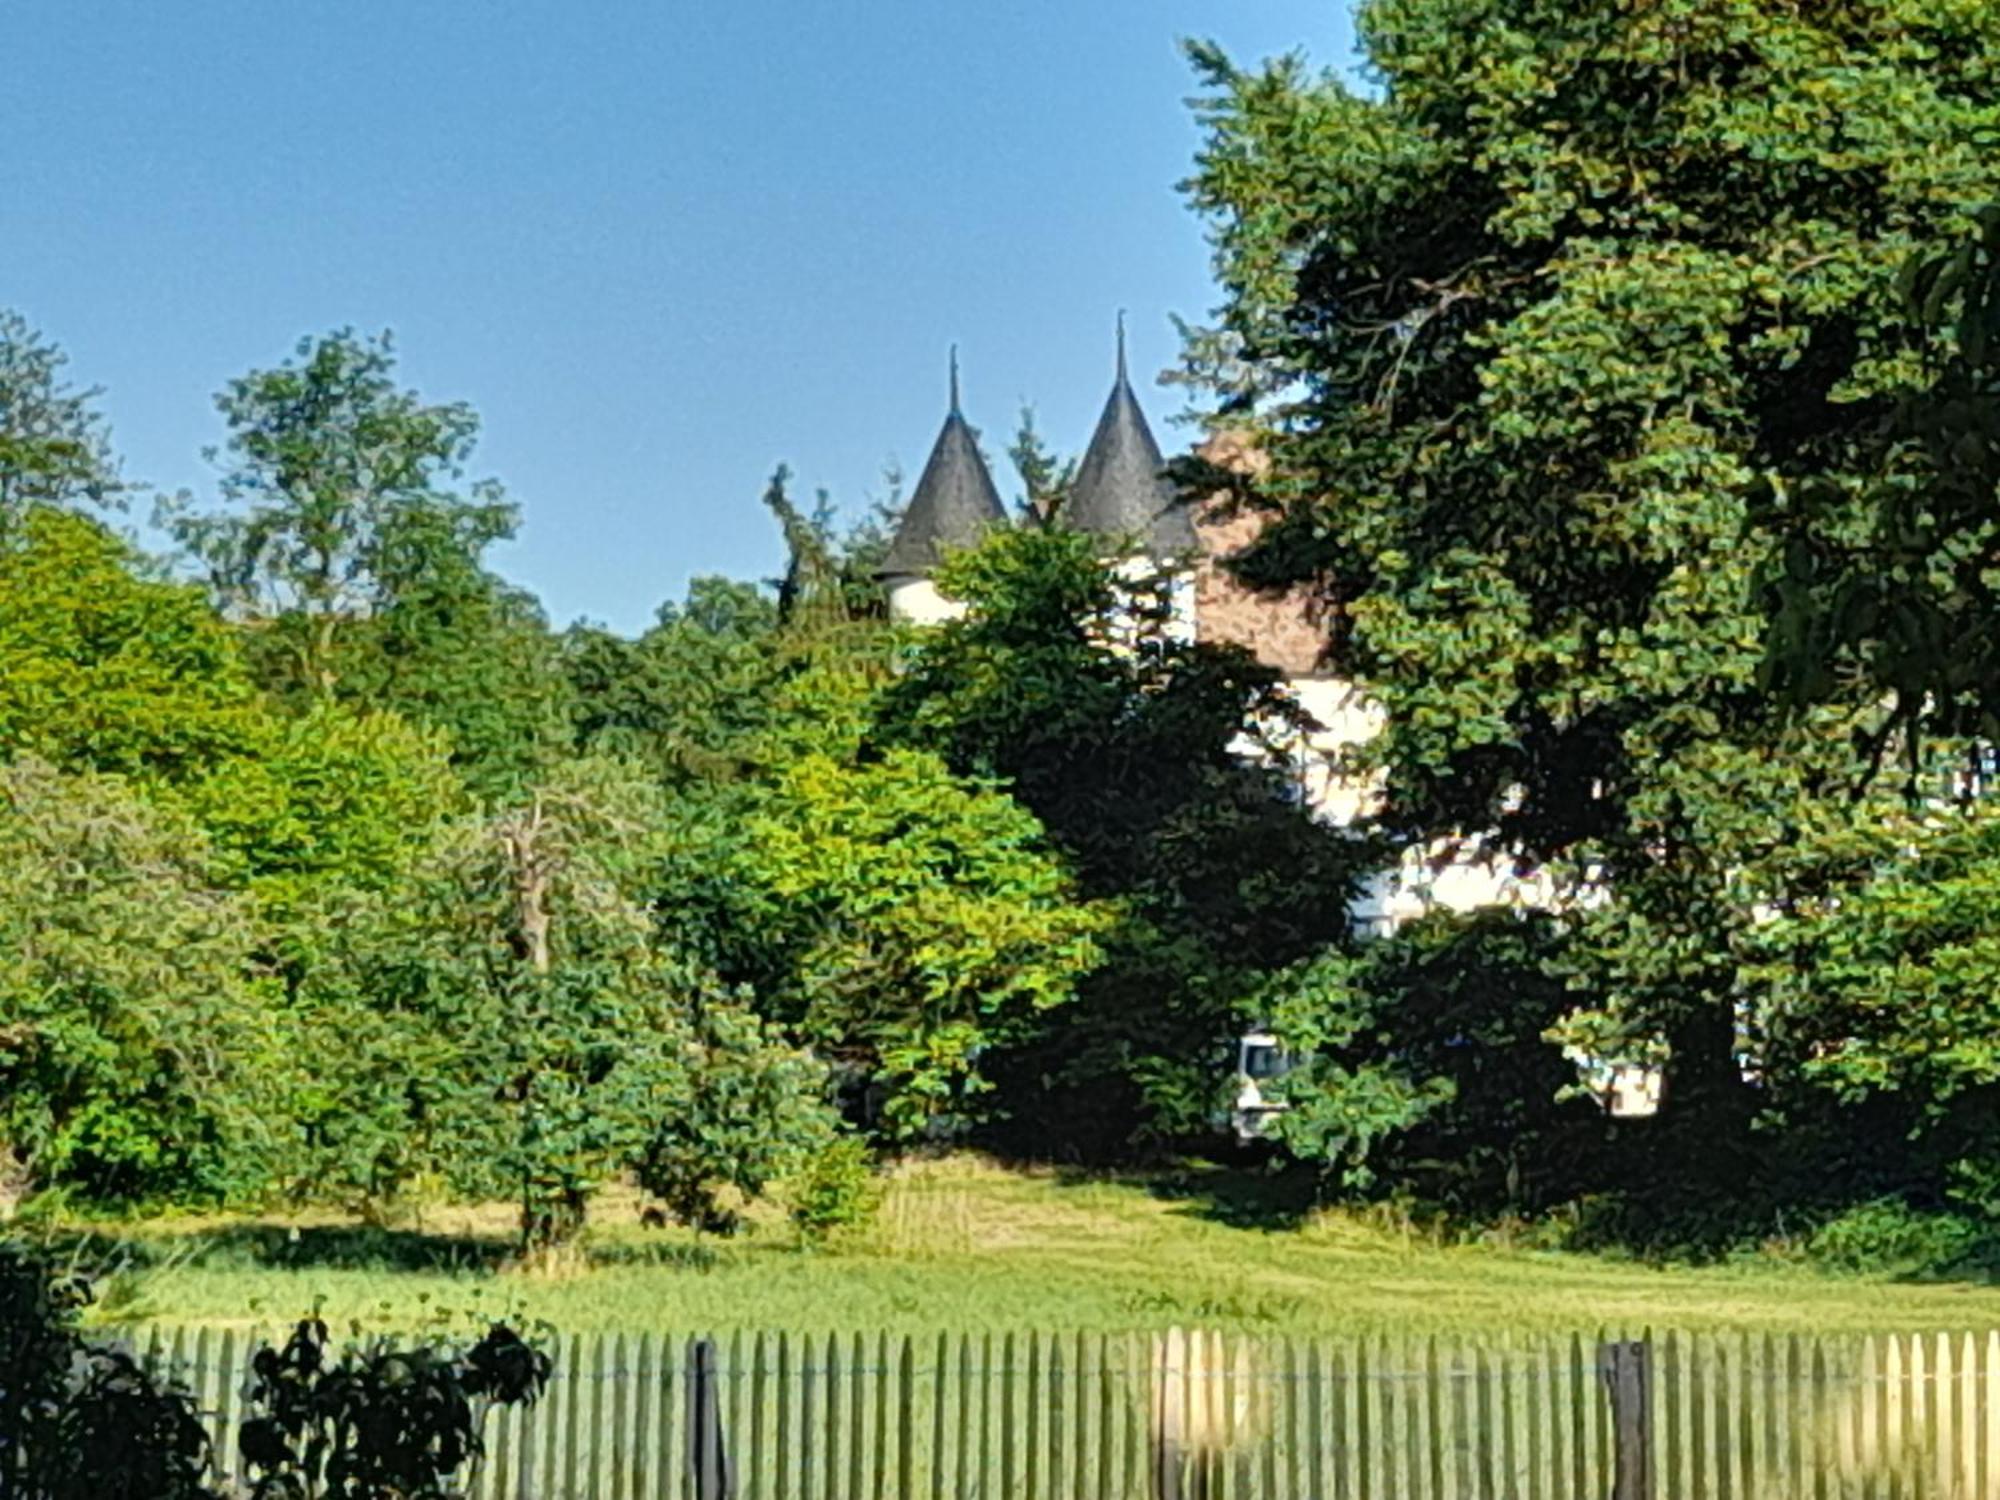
(837, 1191)
(743, 1110)
(81, 1421)
(1886, 1236)
(381, 1421)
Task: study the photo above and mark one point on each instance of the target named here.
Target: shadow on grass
(351, 1247)
(339, 1247)
(703, 1256)
(1239, 1196)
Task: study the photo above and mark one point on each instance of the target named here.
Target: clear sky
(660, 246)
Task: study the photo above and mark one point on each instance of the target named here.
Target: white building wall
(916, 601)
(1446, 874)
(1140, 573)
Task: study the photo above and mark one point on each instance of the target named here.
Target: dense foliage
(1576, 351)
(78, 1421)
(384, 1420)
(1129, 755)
(1618, 380)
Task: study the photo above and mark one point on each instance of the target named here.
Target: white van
(1260, 1061)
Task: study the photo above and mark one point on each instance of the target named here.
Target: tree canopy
(1531, 335)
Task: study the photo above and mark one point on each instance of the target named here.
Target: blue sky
(660, 247)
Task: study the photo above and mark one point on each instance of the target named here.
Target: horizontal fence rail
(1207, 1416)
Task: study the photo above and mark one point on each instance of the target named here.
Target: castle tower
(953, 507)
(1121, 491)
(1122, 496)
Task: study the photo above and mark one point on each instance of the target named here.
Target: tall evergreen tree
(1522, 333)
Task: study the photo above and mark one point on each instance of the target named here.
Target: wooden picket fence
(1206, 1416)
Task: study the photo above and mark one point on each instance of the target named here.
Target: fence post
(708, 1460)
(1169, 1379)
(1627, 1370)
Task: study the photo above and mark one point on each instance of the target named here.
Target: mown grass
(964, 1244)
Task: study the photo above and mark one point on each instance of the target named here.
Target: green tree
(1422, 1065)
(343, 488)
(105, 669)
(453, 647)
(911, 920)
(1885, 574)
(505, 1019)
(138, 1054)
(102, 668)
(1045, 478)
(539, 922)
(332, 795)
(1878, 988)
(1521, 336)
(689, 693)
(54, 449)
(832, 578)
(1130, 758)
(748, 1110)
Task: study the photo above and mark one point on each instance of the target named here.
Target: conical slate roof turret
(954, 505)
(1121, 490)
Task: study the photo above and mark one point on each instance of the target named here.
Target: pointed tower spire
(1121, 491)
(954, 504)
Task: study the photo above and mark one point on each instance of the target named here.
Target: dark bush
(81, 1422)
(380, 1421)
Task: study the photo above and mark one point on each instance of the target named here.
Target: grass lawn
(963, 1244)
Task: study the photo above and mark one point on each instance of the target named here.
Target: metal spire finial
(954, 378)
(1121, 345)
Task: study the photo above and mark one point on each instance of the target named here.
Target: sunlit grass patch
(965, 1243)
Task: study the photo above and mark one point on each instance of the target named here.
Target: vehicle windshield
(1262, 1060)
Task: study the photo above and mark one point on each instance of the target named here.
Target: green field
(965, 1244)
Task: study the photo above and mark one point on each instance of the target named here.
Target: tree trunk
(551, 1221)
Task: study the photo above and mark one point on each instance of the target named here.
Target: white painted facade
(1446, 874)
(916, 601)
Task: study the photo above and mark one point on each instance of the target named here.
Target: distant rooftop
(954, 505)
(1121, 491)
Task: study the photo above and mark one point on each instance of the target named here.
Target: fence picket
(1362, 1393)
(938, 1397)
(1737, 1415)
(865, 1452)
(1344, 1407)
(812, 1441)
(1744, 1395)
(1824, 1438)
(785, 1419)
(1961, 1463)
(1988, 1384)
(1509, 1362)
(906, 1419)
(987, 1378)
(755, 1377)
(1535, 1373)
(1043, 1455)
(1082, 1403)
(1483, 1432)
(1895, 1406)
(828, 1437)
(1406, 1454)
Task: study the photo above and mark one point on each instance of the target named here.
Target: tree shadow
(1241, 1197)
(702, 1255)
(322, 1247)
